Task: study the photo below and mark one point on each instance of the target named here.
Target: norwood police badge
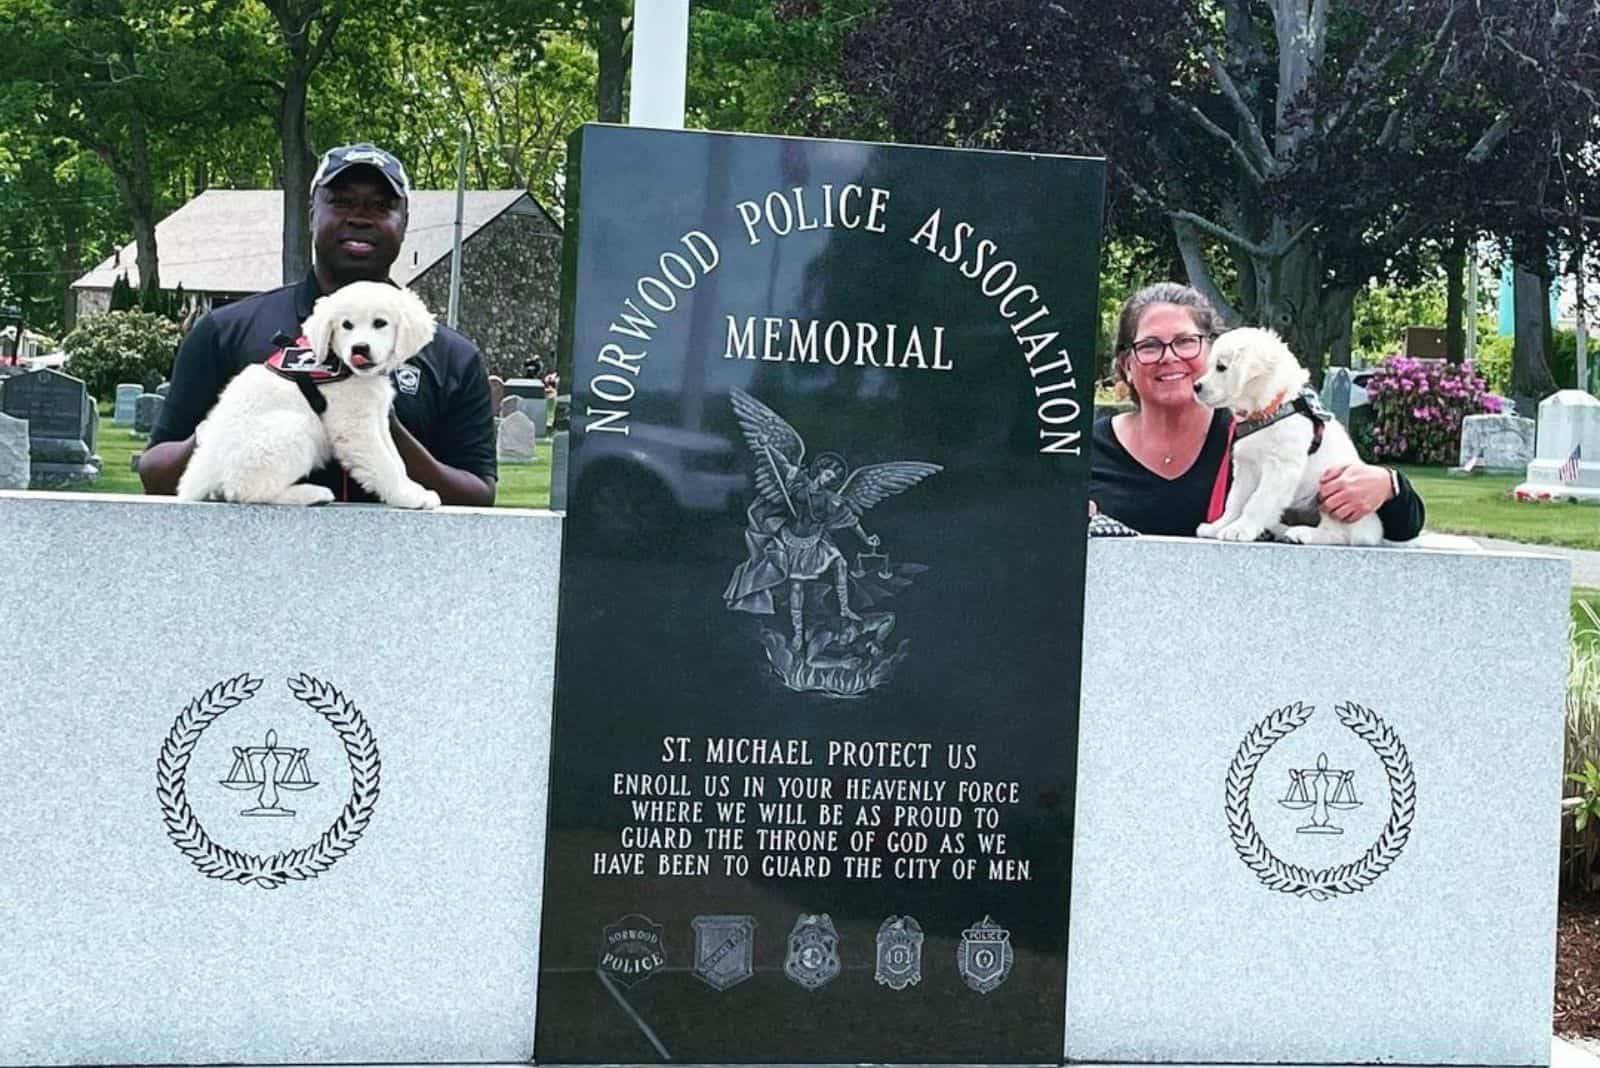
(984, 956)
(724, 949)
(407, 378)
(813, 957)
(899, 952)
(631, 949)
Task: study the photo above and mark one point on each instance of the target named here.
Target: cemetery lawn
(115, 445)
(520, 486)
(1482, 505)
(526, 485)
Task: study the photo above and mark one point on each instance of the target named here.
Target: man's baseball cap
(336, 161)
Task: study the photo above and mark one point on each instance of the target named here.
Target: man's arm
(197, 379)
(452, 484)
(162, 465)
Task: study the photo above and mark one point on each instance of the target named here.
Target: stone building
(227, 243)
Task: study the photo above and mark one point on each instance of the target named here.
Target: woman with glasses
(1163, 468)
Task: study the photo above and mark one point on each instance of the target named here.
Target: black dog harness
(1305, 403)
(295, 361)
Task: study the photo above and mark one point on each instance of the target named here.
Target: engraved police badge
(813, 958)
(631, 949)
(724, 949)
(899, 952)
(984, 956)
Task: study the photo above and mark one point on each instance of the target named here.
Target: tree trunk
(612, 56)
(1530, 357)
(1455, 269)
(298, 163)
(131, 175)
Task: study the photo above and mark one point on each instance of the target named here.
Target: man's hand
(1351, 491)
(453, 485)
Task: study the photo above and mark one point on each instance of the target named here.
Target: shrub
(125, 346)
(1580, 834)
(1417, 408)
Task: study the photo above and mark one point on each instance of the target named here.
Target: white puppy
(264, 434)
(1282, 444)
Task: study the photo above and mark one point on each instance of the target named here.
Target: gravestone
(560, 450)
(1425, 342)
(1498, 442)
(509, 405)
(1568, 444)
(537, 410)
(828, 505)
(1336, 393)
(514, 441)
(15, 470)
(91, 428)
(163, 388)
(497, 393)
(127, 394)
(524, 387)
(54, 406)
(146, 411)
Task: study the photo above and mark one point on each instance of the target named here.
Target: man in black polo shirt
(442, 423)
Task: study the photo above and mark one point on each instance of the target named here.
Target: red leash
(1219, 489)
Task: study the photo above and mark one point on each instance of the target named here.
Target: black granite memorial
(821, 601)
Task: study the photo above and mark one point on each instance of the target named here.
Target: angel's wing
(868, 485)
(773, 441)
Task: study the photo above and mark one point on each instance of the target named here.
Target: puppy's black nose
(361, 349)
(1197, 387)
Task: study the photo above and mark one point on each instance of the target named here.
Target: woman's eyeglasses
(1184, 347)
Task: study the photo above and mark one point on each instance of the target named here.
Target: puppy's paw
(1239, 530)
(415, 498)
(1207, 530)
(1300, 535)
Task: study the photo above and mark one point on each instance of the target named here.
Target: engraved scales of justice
(1320, 789)
(267, 769)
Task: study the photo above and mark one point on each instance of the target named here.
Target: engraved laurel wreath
(216, 862)
(1324, 883)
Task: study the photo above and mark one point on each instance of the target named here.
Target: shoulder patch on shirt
(407, 378)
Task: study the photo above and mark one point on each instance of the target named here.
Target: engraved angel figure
(792, 554)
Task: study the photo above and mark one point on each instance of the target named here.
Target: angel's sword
(781, 484)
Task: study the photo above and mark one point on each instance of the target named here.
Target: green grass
(520, 486)
(526, 485)
(1482, 505)
(115, 445)
(1587, 635)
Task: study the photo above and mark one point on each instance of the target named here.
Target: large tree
(1283, 143)
(123, 79)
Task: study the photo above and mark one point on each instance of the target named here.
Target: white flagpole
(660, 62)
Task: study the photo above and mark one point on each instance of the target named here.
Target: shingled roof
(231, 240)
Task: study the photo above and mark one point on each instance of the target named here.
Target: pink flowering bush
(1417, 408)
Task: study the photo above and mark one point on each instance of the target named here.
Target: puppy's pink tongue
(359, 360)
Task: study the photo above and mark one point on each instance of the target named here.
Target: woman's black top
(1127, 490)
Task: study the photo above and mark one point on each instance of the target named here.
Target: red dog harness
(296, 361)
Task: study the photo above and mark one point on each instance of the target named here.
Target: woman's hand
(1351, 491)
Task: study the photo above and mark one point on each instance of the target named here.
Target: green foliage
(1580, 839)
(1494, 361)
(123, 297)
(1382, 313)
(120, 347)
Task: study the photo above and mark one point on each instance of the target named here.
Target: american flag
(1568, 472)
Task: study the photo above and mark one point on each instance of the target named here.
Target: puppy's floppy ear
(318, 327)
(415, 327)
